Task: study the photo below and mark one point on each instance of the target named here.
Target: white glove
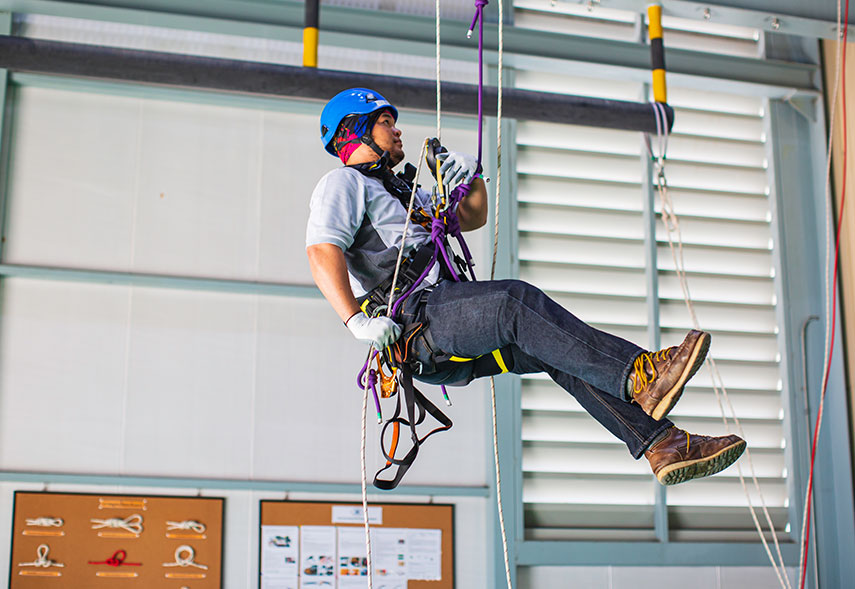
(457, 168)
(379, 331)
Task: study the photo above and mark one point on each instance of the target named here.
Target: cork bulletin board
(418, 538)
(105, 541)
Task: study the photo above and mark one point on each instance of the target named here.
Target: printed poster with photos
(352, 558)
(280, 554)
(317, 556)
(67, 540)
(320, 546)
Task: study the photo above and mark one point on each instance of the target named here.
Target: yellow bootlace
(641, 379)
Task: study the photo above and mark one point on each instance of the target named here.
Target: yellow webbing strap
(497, 356)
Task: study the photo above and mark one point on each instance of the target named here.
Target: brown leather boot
(682, 456)
(658, 378)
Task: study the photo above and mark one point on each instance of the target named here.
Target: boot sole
(696, 360)
(702, 467)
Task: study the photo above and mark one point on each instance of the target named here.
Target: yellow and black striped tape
(310, 34)
(657, 52)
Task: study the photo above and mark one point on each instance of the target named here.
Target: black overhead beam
(19, 54)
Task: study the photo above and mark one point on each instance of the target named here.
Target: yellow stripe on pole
(654, 21)
(310, 47)
(660, 91)
(657, 52)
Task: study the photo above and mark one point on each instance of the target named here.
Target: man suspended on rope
(357, 216)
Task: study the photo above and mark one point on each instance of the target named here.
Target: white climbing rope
(363, 465)
(499, 83)
(672, 226)
(438, 91)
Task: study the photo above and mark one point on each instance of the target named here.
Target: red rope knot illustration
(117, 560)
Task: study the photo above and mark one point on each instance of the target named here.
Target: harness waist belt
(376, 300)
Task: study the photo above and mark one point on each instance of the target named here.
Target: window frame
(798, 228)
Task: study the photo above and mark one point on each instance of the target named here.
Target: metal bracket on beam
(804, 104)
(255, 78)
(781, 19)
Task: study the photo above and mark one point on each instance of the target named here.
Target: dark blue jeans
(469, 319)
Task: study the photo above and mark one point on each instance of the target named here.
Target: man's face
(388, 138)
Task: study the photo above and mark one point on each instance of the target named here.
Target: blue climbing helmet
(358, 109)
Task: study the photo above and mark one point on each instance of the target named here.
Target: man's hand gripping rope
(457, 168)
(381, 332)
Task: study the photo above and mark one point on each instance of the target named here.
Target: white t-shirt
(356, 213)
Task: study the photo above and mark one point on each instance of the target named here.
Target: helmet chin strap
(369, 141)
(366, 137)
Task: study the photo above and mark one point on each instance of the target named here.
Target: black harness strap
(398, 185)
(418, 406)
(411, 268)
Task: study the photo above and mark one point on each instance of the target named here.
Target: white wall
(107, 379)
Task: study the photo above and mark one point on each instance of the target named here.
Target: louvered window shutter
(581, 239)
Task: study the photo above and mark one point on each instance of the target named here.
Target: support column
(5, 132)
(847, 238)
(799, 224)
(651, 276)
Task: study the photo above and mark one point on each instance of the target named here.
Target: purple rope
(437, 233)
(454, 226)
(438, 225)
(372, 382)
(418, 281)
(479, 18)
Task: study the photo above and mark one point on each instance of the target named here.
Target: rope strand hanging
(673, 232)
